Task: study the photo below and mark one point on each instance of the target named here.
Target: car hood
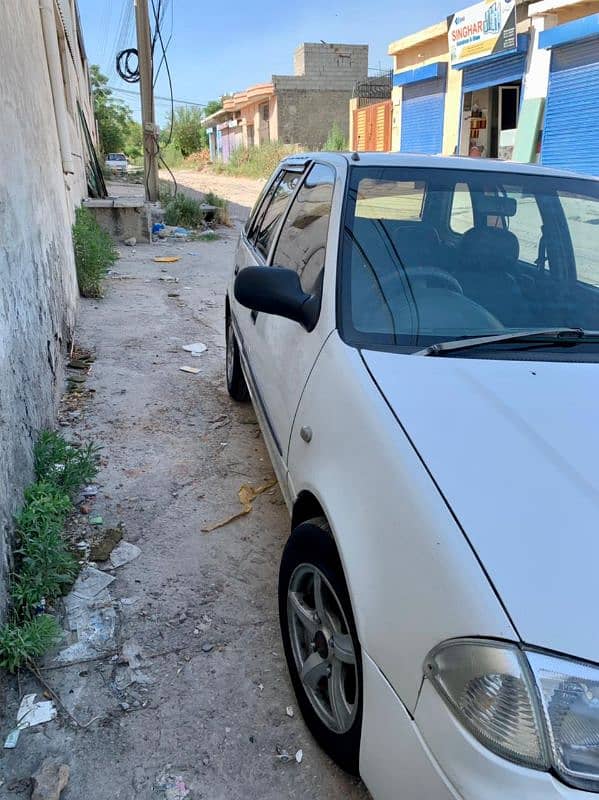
(514, 446)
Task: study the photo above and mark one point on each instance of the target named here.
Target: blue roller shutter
(571, 130)
(423, 105)
(494, 71)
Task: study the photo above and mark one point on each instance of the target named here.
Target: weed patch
(256, 162)
(221, 216)
(44, 567)
(182, 210)
(94, 253)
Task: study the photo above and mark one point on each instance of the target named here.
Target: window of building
(303, 239)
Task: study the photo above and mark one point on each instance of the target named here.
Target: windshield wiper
(555, 335)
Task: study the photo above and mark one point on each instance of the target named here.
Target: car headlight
(535, 709)
(569, 692)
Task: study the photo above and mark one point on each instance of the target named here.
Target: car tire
(236, 385)
(323, 653)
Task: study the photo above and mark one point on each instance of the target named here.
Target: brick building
(294, 109)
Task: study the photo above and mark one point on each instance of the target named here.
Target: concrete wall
(306, 117)
(38, 292)
(318, 95)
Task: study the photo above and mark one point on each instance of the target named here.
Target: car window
(583, 217)
(399, 200)
(404, 282)
(526, 223)
(303, 238)
(461, 217)
(260, 205)
(274, 209)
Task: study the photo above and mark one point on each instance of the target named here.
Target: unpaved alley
(197, 635)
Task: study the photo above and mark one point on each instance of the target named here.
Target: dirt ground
(198, 608)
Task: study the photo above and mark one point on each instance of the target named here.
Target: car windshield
(435, 254)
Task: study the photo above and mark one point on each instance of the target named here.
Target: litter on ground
(31, 713)
(123, 553)
(289, 711)
(299, 756)
(195, 348)
(166, 259)
(11, 740)
(191, 370)
(247, 494)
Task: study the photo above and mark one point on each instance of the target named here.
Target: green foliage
(256, 162)
(22, 643)
(134, 145)
(183, 210)
(94, 253)
(62, 464)
(212, 106)
(172, 155)
(44, 567)
(188, 130)
(114, 117)
(222, 208)
(335, 140)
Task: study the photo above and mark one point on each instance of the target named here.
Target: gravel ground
(200, 608)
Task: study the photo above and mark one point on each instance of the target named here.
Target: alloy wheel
(322, 648)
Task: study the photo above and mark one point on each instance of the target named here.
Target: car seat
(486, 260)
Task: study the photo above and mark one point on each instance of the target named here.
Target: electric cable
(124, 68)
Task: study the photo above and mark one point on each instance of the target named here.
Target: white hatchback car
(419, 337)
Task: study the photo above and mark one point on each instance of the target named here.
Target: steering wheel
(433, 277)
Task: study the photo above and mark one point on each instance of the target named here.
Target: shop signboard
(486, 29)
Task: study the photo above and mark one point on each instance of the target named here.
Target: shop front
(422, 107)
(484, 46)
(571, 129)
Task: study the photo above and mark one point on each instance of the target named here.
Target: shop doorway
(490, 120)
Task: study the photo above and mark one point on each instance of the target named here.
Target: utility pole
(150, 131)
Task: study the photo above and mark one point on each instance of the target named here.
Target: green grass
(336, 141)
(256, 162)
(94, 253)
(222, 208)
(67, 467)
(22, 643)
(172, 156)
(182, 210)
(44, 567)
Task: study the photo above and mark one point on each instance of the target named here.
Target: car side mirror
(276, 290)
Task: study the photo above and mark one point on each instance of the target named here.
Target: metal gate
(422, 109)
(571, 130)
(372, 127)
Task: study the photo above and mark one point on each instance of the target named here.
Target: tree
(212, 106)
(115, 121)
(189, 135)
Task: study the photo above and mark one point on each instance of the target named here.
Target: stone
(104, 543)
(131, 241)
(49, 781)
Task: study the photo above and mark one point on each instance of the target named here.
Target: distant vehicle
(420, 339)
(118, 162)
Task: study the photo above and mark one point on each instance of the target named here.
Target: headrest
(480, 246)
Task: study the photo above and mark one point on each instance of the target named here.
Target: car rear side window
(274, 208)
(303, 239)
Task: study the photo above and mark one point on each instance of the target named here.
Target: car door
(283, 352)
(255, 243)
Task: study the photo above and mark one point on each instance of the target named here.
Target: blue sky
(223, 46)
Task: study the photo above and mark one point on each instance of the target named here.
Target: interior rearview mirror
(276, 290)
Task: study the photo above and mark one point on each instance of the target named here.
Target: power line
(159, 97)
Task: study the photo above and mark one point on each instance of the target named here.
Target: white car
(117, 162)
(420, 339)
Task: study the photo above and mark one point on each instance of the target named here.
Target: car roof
(364, 159)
